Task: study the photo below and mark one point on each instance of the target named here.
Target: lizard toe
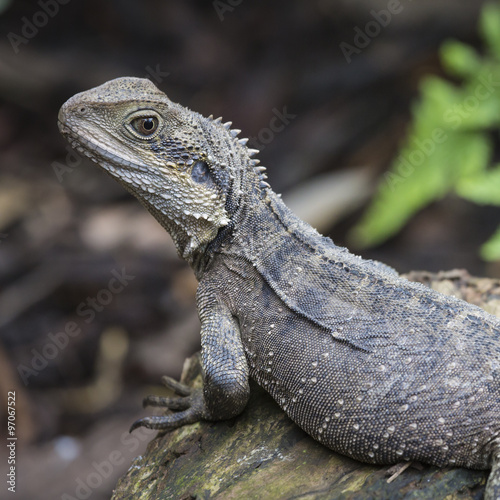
(189, 409)
(168, 422)
(179, 388)
(181, 403)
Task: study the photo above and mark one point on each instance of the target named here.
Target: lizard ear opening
(200, 173)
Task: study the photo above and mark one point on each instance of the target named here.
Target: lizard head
(186, 169)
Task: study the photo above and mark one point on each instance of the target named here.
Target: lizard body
(368, 363)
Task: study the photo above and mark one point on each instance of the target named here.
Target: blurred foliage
(449, 147)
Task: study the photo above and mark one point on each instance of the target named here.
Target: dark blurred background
(79, 357)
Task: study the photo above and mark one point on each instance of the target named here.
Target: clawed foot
(188, 407)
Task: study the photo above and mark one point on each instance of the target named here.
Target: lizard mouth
(78, 143)
(97, 152)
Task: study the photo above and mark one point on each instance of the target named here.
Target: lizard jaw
(137, 178)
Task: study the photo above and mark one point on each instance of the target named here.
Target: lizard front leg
(225, 389)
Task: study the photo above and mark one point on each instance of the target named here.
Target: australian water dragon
(368, 363)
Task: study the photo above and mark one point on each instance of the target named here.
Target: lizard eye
(145, 126)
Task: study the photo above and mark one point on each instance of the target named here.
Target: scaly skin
(370, 364)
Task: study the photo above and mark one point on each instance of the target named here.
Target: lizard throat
(190, 245)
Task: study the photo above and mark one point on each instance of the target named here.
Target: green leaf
(448, 148)
(483, 189)
(491, 249)
(473, 156)
(414, 181)
(489, 26)
(438, 97)
(424, 172)
(459, 59)
(480, 101)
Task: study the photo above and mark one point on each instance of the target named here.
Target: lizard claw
(188, 407)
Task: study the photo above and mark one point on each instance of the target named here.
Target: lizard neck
(263, 220)
(247, 195)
